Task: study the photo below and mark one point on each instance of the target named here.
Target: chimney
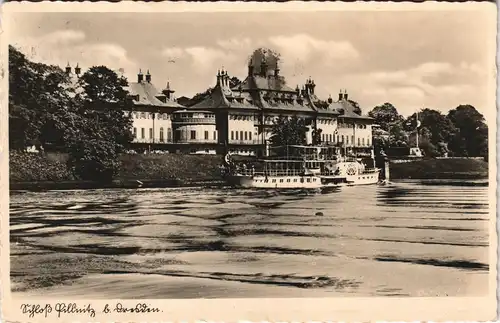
(68, 69)
(140, 77)
(346, 96)
(312, 85)
(148, 77)
(168, 92)
(341, 95)
(78, 70)
(330, 100)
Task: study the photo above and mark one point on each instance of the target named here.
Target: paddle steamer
(301, 167)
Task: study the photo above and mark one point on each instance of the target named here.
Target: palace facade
(239, 119)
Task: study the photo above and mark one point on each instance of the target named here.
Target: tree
(397, 136)
(385, 115)
(438, 128)
(316, 136)
(36, 92)
(471, 138)
(426, 144)
(288, 131)
(102, 130)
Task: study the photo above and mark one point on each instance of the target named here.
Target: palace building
(239, 119)
(245, 114)
(153, 113)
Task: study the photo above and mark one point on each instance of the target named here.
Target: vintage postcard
(248, 162)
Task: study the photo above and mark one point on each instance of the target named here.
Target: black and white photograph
(252, 154)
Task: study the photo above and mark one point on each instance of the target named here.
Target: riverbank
(38, 172)
(440, 169)
(50, 172)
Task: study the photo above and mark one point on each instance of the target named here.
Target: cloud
(235, 44)
(204, 59)
(70, 46)
(437, 85)
(111, 55)
(172, 52)
(64, 37)
(302, 47)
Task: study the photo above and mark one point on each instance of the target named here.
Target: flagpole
(417, 128)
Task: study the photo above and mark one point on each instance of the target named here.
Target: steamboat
(301, 167)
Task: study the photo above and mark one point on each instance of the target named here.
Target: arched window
(342, 138)
(161, 134)
(363, 141)
(169, 135)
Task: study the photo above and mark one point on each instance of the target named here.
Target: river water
(409, 238)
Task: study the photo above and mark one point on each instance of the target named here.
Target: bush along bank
(440, 169)
(50, 171)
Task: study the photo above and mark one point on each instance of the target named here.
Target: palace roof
(144, 93)
(270, 83)
(265, 89)
(258, 92)
(346, 110)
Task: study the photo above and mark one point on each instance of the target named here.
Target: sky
(412, 59)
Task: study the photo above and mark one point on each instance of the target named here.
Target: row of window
(241, 135)
(350, 125)
(295, 180)
(149, 115)
(244, 118)
(331, 138)
(165, 116)
(326, 121)
(196, 115)
(151, 135)
(183, 135)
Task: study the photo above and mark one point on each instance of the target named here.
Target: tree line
(83, 117)
(462, 132)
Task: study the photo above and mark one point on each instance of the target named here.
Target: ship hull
(276, 182)
(302, 182)
(364, 178)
